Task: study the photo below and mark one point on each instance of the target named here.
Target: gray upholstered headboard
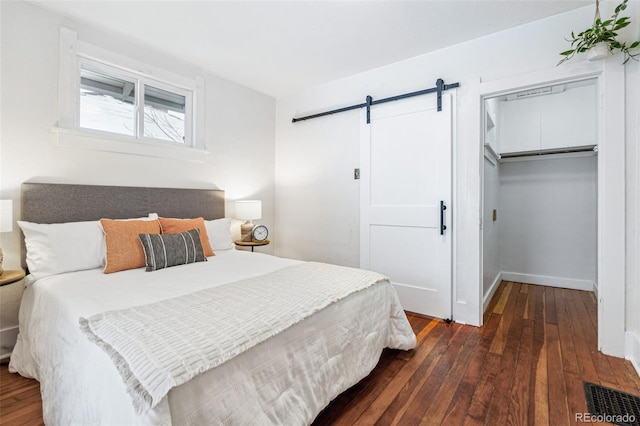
(56, 203)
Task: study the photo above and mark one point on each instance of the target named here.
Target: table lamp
(6, 222)
(248, 210)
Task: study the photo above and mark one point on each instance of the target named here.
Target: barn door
(405, 201)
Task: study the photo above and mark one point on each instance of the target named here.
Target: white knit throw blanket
(162, 345)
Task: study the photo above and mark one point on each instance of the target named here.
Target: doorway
(610, 184)
(540, 187)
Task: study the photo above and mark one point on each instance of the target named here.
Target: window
(107, 103)
(108, 99)
(110, 102)
(164, 114)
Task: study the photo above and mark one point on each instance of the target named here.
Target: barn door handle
(443, 227)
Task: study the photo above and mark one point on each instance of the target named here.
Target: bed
(284, 375)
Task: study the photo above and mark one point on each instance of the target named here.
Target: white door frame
(611, 184)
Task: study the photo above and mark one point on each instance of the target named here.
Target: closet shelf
(573, 151)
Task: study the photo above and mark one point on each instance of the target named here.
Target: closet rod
(539, 153)
(439, 88)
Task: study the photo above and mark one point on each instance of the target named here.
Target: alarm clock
(259, 233)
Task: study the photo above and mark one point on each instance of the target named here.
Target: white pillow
(63, 247)
(219, 231)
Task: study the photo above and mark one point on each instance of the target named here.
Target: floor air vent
(612, 406)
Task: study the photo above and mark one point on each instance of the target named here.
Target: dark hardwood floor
(20, 402)
(525, 366)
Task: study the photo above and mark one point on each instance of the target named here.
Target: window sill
(82, 139)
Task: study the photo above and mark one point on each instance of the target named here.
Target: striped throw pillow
(165, 250)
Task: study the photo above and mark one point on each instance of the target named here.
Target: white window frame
(75, 53)
(140, 81)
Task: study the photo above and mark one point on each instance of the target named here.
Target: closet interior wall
(548, 221)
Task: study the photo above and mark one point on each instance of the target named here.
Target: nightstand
(10, 276)
(251, 244)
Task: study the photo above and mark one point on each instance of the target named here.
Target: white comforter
(287, 379)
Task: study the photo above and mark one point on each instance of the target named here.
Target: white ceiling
(280, 47)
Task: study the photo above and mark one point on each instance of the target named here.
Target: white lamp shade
(249, 209)
(6, 215)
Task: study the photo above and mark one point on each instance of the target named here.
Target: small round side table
(251, 244)
(10, 276)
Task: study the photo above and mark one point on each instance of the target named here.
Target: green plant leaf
(621, 25)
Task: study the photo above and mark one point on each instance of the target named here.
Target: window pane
(107, 103)
(164, 115)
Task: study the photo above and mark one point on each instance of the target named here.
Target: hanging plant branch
(603, 32)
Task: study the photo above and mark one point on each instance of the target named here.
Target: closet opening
(540, 187)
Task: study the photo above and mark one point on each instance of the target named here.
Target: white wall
(632, 81)
(548, 221)
(316, 193)
(318, 199)
(240, 129)
(491, 268)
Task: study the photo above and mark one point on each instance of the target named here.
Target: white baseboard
(571, 283)
(492, 290)
(632, 349)
(8, 337)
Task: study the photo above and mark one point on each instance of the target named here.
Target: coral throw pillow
(124, 249)
(173, 226)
